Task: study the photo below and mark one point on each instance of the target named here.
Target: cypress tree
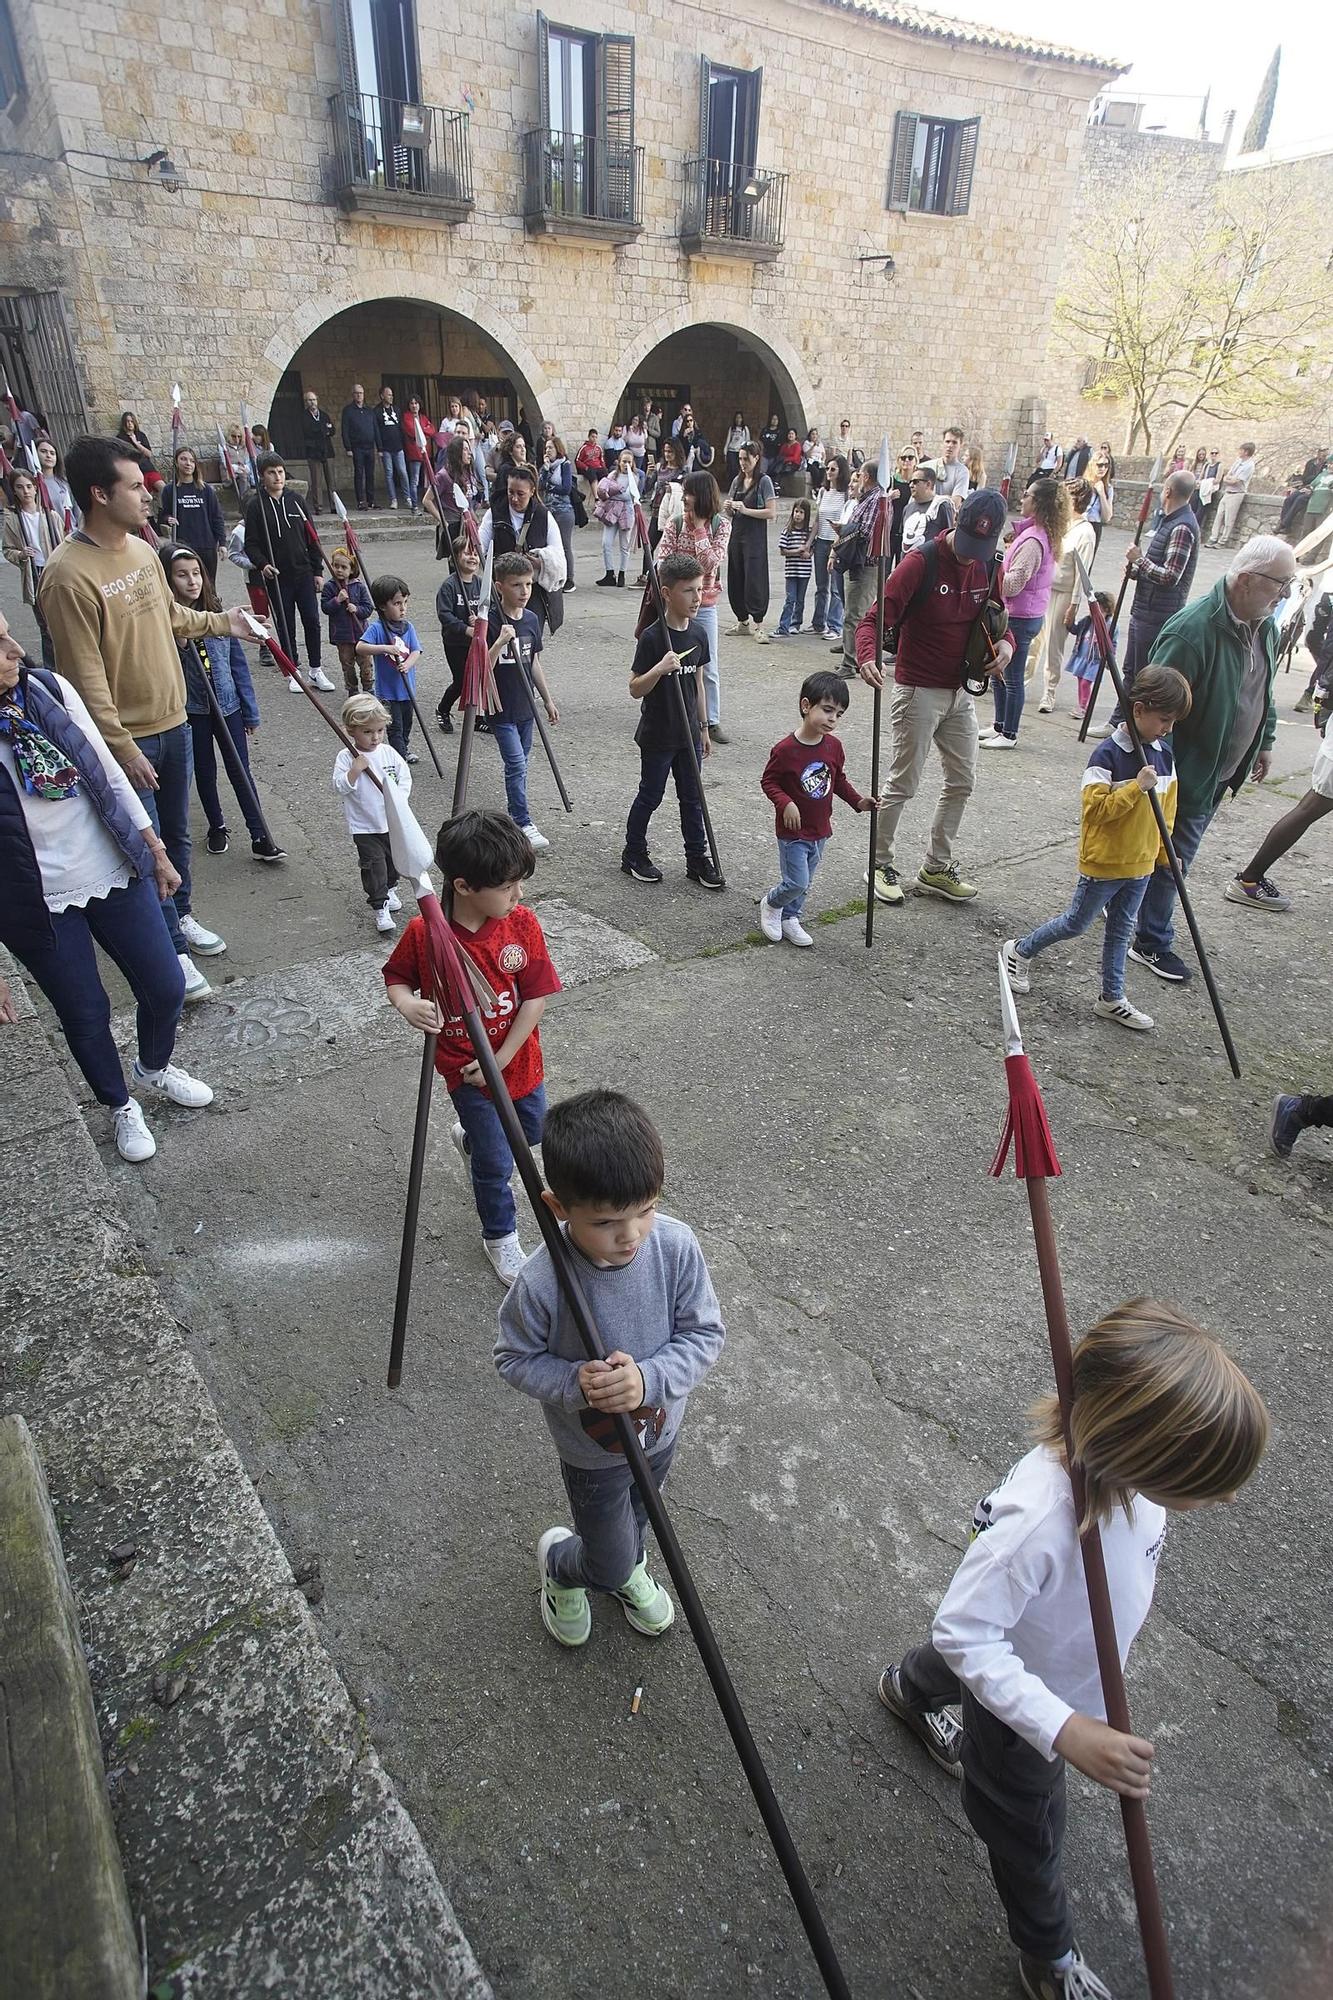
(1256, 132)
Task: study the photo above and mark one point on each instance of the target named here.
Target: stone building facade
(284, 194)
(1199, 173)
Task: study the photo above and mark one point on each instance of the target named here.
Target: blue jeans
(707, 617)
(1120, 900)
(1011, 692)
(128, 924)
(395, 467)
(828, 592)
(1155, 927)
(793, 604)
(171, 755)
(655, 767)
(610, 1521)
(514, 741)
(798, 860)
(206, 771)
(363, 472)
(488, 1152)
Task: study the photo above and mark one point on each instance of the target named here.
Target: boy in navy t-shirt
(665, 746)
(801, 776)
(391, 642)
(514, 630)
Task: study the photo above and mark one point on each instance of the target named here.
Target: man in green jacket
(1225, 644)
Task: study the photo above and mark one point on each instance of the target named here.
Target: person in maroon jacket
(934, 598)
(801, 776)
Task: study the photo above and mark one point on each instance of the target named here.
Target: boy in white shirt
(1163, 1421)
(366, 721)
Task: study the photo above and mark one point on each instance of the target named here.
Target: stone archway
(776, 354)
(384, 287)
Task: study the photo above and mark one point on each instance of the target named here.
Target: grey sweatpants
(858, 594)
(610, 1522)
(1014, 1799)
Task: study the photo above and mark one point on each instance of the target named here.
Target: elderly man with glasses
(1225, 644)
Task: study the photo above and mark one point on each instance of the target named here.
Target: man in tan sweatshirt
(114, 625)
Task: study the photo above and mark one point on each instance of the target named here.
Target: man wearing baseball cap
(934, 597)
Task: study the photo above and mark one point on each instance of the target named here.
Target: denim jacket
(231, 680)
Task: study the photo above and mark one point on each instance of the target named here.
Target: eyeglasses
(1285, 584)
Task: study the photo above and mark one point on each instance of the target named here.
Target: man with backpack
(943, 604)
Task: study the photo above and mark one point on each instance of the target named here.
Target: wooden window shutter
(705, 83)
(754, 92)
(615, 103)
(900, 166)
(543, 72)
(342, 20)
(964, 161)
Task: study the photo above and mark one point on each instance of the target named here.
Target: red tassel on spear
(1028, 1131)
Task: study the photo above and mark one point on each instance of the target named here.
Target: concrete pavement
(828, 1118)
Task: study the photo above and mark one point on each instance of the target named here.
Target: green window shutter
(962, 166)
(342, 21)
(900, 166)
(543, 73)
(705, 81)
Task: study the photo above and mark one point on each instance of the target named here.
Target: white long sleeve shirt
(548, 558)
(363, 801)
(1015, 1625)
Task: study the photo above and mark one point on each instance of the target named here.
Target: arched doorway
(413, 346)
(718, 369)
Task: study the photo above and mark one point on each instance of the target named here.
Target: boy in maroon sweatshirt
(801, 776)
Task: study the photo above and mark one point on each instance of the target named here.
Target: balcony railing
(578, 186)
(733, 211)
(392, 158)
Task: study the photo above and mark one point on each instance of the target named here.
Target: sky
(1219, 45)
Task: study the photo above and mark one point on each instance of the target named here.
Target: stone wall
(220, 284)
(1111, 159)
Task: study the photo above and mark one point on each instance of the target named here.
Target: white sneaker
(1124, 1011)
(203, 942)
(319, 679)
(196, 986)
(134, 1141)
(460, 1139)
(384, 918)
(393, 901)
(984, 735)
(1099, 729)
(292, 683)
(534, 837)
(394, 505)
(795, 932)
(1016, 967)
(1045, 707)
(770, 921)
(999, 743)
(506, 1255)
(175, 1084)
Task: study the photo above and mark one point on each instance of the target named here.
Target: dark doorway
(284, 418)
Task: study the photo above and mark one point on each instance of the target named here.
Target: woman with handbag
(555, 486)
(617, 497)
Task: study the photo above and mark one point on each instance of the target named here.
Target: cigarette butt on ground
(634, 1705)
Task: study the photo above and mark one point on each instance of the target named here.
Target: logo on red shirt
(512, 958)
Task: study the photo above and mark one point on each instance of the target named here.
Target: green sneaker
(888, 888)
(945, 882)
(645, 1603)
(565, 1612)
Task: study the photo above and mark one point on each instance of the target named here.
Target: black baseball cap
(979, 525)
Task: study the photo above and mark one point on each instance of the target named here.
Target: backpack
(988, 627)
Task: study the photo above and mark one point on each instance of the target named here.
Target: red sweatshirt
(809, 773)
(932, 641)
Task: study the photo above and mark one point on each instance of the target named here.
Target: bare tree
(1191, 310)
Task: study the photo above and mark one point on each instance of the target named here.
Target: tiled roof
(941, 28)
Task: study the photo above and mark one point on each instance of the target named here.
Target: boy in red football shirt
(485, 860)
(801, 776)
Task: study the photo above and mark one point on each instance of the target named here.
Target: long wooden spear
(879, 548)
(1106, 650)
(1145, 508)
(455, 997)
(1028, 1130)
(653, 607)
(354, 550)
(1010, 461)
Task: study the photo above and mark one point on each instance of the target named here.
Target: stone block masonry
(253, 255)
(264, 1846)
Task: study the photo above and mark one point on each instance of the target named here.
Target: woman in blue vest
(82, 866)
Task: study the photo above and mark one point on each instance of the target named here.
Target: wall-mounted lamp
(163, 170)
(888, 269)
(413, 122)
(755, 188)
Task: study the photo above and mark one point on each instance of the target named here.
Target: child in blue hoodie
(222, 664)
(390, 643)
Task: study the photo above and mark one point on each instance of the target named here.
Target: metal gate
(37, 357)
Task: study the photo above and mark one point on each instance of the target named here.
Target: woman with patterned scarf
(81, 866)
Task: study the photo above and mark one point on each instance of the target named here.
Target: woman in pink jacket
(1025, 584)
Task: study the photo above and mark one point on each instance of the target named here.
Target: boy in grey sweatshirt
(645, 1279)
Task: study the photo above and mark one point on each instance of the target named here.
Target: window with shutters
(581, 164)
(932, 165)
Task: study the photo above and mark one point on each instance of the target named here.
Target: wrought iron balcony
(393, 159)
(733, 211)
(577, 186)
